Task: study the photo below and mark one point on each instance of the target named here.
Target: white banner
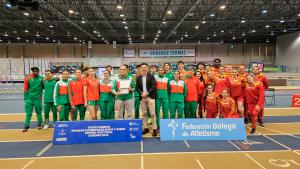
(129, 53)
(102, 62)
(168, 53)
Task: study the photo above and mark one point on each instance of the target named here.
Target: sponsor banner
(202, 129)
(168, 53)
(101, 131)
(129, 53)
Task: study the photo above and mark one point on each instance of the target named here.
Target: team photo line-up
(203, 91)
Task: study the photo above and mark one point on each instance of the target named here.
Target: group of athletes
(204, 91)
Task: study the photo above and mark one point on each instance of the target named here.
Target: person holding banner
(211, 100)
(33, 91)
(236, 89)
(75, 89)
(168, 72)
(49, 84)
(107, 87)
(162, 95)
(91, 93)
(227, 106)
(194, 88)
(255, 95)
(178, 92)
(61, 97)
(146, 86)
(124, 91)
(259, 76)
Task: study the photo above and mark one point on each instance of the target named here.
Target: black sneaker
(145, 131)
(246, 120)
(25, 129)
(154, 133)
(252, 131)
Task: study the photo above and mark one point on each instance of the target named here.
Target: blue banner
(202, 129)
(102, 131)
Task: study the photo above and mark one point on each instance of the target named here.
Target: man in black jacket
(146, 86)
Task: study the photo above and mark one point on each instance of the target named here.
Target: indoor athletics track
(277, 145)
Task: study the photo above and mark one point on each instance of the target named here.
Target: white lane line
(16, 141)
(277, 108)
(234, 145)
(30, 162)
(296, 152)
(256, 162)
(138, 154)
(199, 164)
(142, 162)
(142, 146)
(274, 141)
(280, 132)
(186, 143)
(44, 150)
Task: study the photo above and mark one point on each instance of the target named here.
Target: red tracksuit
(228, 108)
(200, 99)
(265, 83)
(193, 89)
(221, 83)
(254, 96)
(236, 89)
(211, 105)
(76, 92)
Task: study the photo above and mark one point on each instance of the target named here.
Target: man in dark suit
(146, 86)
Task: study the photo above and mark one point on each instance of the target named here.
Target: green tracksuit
(178, 91)
(33, 91)
(48, 100)
(61, 98)
(162, 97)
(107, 99)
(169, 75)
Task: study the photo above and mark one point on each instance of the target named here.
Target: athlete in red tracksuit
(254, 92)
(221, 81)
(211, 100)
(260, 77)
(227, 106)
(200, 76)
(236, 90)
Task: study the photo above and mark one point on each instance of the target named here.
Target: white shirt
(144, 84)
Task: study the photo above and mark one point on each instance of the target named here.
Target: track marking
(30, 162)
(14, 141)
(280, 132)
(296, 152)
(234, 144)
(277, 108)
(138, 154)
(44, 150)
(256, 162)
(186, 143)
(142, 146)
(200, 165)
(142, 162)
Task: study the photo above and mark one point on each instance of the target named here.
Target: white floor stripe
(234, 145)
(256, 162)
(30, 162)
(139, 154)
(44, 150)
(142, 146)
(200, 165)
(142, 162)
(296, 152)
(22, 141)
(186, 143)
(280, 132)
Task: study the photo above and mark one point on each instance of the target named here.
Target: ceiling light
(164, 22)
(243, 21)
(47, 38)
(159, 31)
(169, 12)
(102, 38)
(124, 22)
(155, 38)
(98, 35)
(253, 31)
(126, 27)
(0, 40)
(299, 14)
(181, 38)
(272, 33)
(18, 38)
(75, 38)
(26, 13)
(199, 41)
(50, 26)
(197, 27)
(267, 41)
(222, 41)
(33, 41)
(207, 38)
(26, 31)
(95, 32)
(128, 35)
(71, 11)
(157, 35)
(215, 34)
(243, 34)
(83, 21)
(222, 7)
(267, 26)
(203, 22)
(212, 15)
(264, 11)
(186, 35)
(233, 38)
(122, 15)
(68, 34)
(40, 21)
(27, 40)
(37, 34)
(245, 41)
(119, 7)
(8, 5)
(222, 31)
(5, 34)
(282, 20)
(284, 30)
(54, 41)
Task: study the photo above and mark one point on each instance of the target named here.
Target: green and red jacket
(178, 91)
(33, 87)
(60, 95)
(162, 87)
(107, 89)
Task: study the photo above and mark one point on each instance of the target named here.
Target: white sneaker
(46, 126)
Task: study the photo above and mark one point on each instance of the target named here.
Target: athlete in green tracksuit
(49, 84)
(107, 87)
(162, 95)
(61, 97)
(33, 91)
(177, 94)
(168, 73)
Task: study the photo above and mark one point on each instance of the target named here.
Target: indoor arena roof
(147, 21)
